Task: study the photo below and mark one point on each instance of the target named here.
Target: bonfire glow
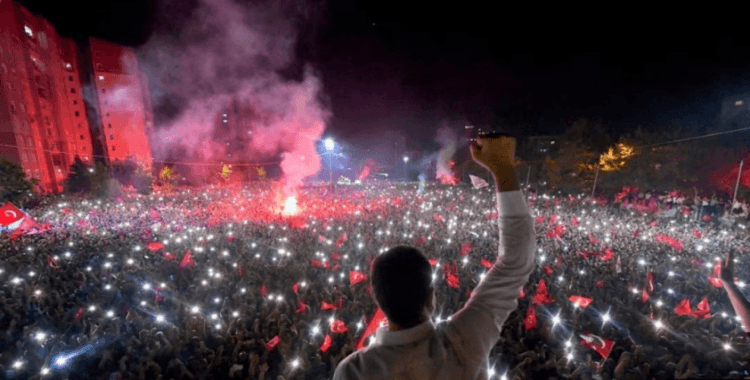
(290, 207)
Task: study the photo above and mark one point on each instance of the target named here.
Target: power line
(696, 137)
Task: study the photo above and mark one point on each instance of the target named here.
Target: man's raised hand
(494, 153)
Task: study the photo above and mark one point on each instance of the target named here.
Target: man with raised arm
(411, 346)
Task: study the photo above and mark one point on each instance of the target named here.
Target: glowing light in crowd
(290, 206)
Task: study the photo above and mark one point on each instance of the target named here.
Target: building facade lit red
(43, 120)
(123, 103)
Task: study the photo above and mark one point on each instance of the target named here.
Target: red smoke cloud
(224, 66)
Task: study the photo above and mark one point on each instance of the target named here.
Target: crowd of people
(213, 283)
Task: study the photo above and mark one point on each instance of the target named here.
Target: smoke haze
(222, 62)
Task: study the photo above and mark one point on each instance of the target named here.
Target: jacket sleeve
(476, 327)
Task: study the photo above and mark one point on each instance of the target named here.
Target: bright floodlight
(329, 143)
(406, 159)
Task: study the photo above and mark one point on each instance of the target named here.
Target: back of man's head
(400, 280)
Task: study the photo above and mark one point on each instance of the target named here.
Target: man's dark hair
(400, 280)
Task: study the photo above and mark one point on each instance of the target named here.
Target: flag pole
(736, 186)
(595, 178)
(528, 173)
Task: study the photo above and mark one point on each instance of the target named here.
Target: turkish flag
(338, 326)
(319, 264)
(697, 233)
(153, 214)
(263, 291)
(187, 261)
(154, 246)
(230, 238)
(10, 214)
(420, 242)
(322, 239)
(335, 256)
(703, 310)
(301, 308)
(530, 322)
(547, 270)
(356, 277)
(433, 262)
(438, 218)
(341, 240)
(452, 280)
(608, 255)
(539, 219)
(636, 232)
(328, 306)
(240, 272)
(600, 284)
(683, 308)
(553, 219)
(541, 297)
(51, 262)
(326, 343)
(574, 221)
(79, 314)
(581, 301)
(645, 296)
(372, 327)
(522, 293)
(602, 346)
(295, 287)
(486, 263)
(271, 344)
(170, 256)
(465, 249)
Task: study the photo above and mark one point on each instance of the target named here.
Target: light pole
(406, 168)
(330, 144)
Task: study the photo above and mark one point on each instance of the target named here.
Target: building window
(111, 137)
(109, 125)
(28, 31)
(77, 113)
(75, 102)
(104, 91)
(107, 114)
(80, 125)
(82, 138)
(113, 148)
(72, 90)
(70, 78)
(101, 77)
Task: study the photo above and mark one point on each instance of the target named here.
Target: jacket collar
(385, 337)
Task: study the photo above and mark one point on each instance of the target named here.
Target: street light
(329, 144)
(406, 169)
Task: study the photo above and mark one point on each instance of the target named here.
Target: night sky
(407, 67)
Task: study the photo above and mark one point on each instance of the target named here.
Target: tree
(14, 187)
(132, 173)
(85, 179)
(168, 178)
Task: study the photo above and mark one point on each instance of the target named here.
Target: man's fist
(494, 153)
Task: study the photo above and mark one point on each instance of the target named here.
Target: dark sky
(409, 66)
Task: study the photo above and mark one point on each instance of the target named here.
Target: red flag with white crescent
(327, 342)
(372, 327)
(602, 346)
(271, 344)
(356, 277)
(187, 261)
(338, 326)
(581, 301)
(10, 214)
(530, 322)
